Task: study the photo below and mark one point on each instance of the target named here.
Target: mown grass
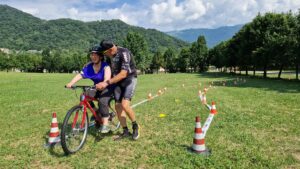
(257, 125)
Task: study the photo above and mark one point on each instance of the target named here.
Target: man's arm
(120, 76)
(107, 73)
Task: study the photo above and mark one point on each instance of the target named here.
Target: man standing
(124, 76)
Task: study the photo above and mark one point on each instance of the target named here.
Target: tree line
(189, 59)
(22, 31)
(270, 42)
(50, 61)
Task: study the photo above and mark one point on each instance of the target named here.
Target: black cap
(96, 49)
(106, 44)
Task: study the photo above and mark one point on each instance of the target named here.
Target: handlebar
(83, 87)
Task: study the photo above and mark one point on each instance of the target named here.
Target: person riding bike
(124, 76)
(98, 71)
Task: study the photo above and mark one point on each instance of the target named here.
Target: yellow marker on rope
(162, 115)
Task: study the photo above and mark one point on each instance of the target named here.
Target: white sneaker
(104, 129)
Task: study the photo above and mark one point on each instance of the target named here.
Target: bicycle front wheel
(74, 130)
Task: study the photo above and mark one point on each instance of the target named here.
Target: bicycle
(76, 122)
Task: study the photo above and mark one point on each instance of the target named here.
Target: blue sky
(164, 15)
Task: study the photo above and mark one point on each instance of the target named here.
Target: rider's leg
(126, 107)
(128, 94)
(103, 101)
(121, 114)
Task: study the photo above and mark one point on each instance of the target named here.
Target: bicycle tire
(75, 132)
(114, 122)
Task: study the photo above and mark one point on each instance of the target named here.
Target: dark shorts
(125, 89)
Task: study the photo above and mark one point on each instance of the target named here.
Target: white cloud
(164, 15)
(125, 13)
(32, 11)
(72, 12)
(170, 12)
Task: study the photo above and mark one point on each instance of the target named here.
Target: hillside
(212, 36)
(22, 31)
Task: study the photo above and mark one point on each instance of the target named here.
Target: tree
(217, 55)
(57, 61)
(182, 62)
(47, 60)
(170, 60)
(199, 54)
(157, 61)
(139, 48)
(4, 60)
(296, 46)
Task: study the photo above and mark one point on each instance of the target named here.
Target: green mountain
(212, 36)
(22, 31)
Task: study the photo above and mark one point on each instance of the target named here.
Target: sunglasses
(104, 52)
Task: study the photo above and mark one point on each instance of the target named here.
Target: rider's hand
(101, 85)
(69, 85)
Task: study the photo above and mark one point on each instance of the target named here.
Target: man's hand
(101, 85)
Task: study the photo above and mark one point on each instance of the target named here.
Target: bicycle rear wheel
(74, 130)
(113, 120)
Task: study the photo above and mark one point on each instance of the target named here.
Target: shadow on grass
(53, 148)
(98, 136)
(189, 149)
(243, 81)
(56, 149)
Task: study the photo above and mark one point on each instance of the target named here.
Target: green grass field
(257, 125)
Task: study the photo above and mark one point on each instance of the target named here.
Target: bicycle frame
(84, 101)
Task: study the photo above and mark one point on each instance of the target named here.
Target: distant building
(161, 69)
(34, 51)
(4, 50)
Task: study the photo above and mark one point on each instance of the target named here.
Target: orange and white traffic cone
(54, 136)
(205, 90)
(199, 141)
(213, 112)
(213, 109)
(204, 98)
(149, 96)
(200, 95)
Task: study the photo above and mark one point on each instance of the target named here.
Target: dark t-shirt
(123, 60)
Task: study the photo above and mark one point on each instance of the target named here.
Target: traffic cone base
(54, 136)
(199, 141)
(206, 152)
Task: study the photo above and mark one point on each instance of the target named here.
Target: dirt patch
(10, 157)
(296, 155)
